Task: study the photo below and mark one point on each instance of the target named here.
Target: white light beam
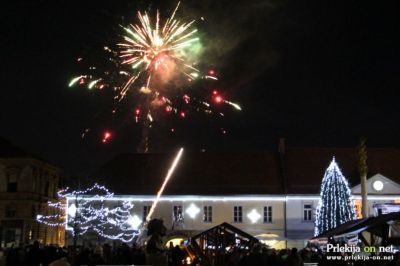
(168, 176)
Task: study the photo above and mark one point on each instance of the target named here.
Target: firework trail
(155, 63)
(159, 193)
(166, 179)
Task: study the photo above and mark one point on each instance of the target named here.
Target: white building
(272, 196)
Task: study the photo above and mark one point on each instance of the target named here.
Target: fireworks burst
(156, 64)
(157, 50)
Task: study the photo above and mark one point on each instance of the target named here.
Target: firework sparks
(155, 65)
(219, 99)
(106, 137)
(75, 80)
(155, 49)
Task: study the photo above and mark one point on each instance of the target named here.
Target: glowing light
(149, 117)
(235, 105)
(106, 137)
(254, 216)
(154, 49)
(210, 77)
(153, 54)
(72, 210)
(377, 185)
(248, 198)
(89, 212)
(336, 204)
(167, 177)
(74, 81)
(93, 83)
(186, 98)
(244, 198)
(194, 74)
(218, 99)
(135, 222)
(193, 210)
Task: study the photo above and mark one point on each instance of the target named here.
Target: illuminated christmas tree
(336, 204)
(116, 222)
(93, 210)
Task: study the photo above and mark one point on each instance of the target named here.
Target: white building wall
(298, 230)
(294, 217)
(222, 211)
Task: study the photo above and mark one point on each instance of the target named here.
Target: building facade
(272, 196)
(26, 185)
(279, 221)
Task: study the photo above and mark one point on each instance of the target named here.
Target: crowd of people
(123, 254)
(154, 252)
(263, 256)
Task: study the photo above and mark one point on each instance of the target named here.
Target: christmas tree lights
(336, 204)
(93, 210)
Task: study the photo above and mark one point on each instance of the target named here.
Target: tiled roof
(241, 173)
(197, 173)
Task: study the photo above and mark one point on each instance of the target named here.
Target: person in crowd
(255, 257)
(155, 248)
(62, 259)
(294, 258)
(35, 255)
(177, 256)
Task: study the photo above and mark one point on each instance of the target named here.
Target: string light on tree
(336, 204)
(117, 223)
(87, 211)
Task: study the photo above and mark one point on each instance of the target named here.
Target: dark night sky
(316, 73)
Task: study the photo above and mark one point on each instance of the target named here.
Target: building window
(178, 213)
(146, 210)
(207, 217)
(237, 214)
(12, 183)
(268, 214)
(307, 212)
(10, 211)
